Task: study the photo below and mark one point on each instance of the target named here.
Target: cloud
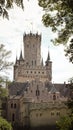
(11, 34)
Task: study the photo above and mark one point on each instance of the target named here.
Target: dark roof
(62, 88)
(53, 89)
(17, 88)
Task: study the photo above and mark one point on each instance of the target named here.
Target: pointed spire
(21, 57)
(53, 89)
(42, 62)
(48, 58)
(16, 60)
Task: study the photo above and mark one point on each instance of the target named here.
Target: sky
(20, 22)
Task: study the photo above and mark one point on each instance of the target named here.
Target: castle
(33, 99)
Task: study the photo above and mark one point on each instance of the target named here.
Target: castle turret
(48, 59)
(21, 57)
(49, 67)
(42, 62)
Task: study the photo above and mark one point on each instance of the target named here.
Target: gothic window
(15, 105)
(13, 117)
(58, 113)
(32, 62)
(37, 92)
(54, 97)
(35, 62)
(52, 113)
(11, 105)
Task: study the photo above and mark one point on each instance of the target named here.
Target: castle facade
(33, 99)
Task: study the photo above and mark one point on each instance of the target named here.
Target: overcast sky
(11, 34)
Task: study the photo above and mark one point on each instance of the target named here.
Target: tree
(5, 125)
(69, 51)
(7, 4)
(58, 14)
(66, 122)
(5, 64)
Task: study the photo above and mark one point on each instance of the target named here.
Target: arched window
(35, 62)
(11, 105)
(15, 105)
(13, 117)
(32, 62)
(54, 97)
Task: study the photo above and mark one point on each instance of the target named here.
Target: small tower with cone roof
(48, 64)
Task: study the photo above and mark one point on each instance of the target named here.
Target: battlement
(31, 35)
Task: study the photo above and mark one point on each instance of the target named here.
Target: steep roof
(62, 88)
(53, 89)
(17, 88)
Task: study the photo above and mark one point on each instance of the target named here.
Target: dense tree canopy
(7, 4)
(66, 122)
(5, 64)
(69, 51)
(4, 125)
(58, 14)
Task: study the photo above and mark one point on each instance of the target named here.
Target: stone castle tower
(33, 99)
(31, 66)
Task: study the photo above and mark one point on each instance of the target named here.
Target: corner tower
(32, 49)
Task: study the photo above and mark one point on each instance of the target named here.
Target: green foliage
(58, 14)
(7, 4)
(70, 99)
(69, 51)
(5, 125)
(65, 123)
(4, 55)
(3, 92)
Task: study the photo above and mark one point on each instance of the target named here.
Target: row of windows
(30, 46)
(52, 114)
(40, 114)
(26, 76)
(38, 94)
(13, 105)
(34, 72)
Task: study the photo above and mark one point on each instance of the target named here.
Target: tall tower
(32, 49)
(31, 67)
